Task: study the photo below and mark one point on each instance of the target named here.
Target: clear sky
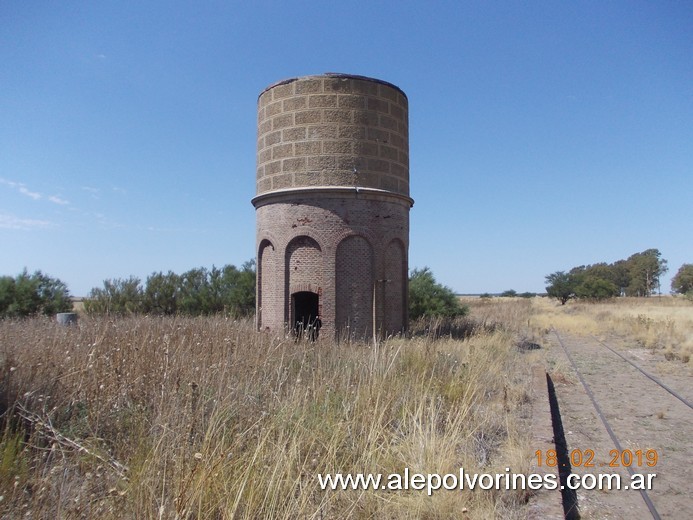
(543, 135)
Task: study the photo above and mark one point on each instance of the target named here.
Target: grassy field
(659, 323)
(204, 418)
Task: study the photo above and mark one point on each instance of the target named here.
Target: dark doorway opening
(306, 308)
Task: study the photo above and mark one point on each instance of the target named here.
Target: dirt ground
(642, 415)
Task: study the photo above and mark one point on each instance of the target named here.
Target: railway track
(623, 419)
(646, 374)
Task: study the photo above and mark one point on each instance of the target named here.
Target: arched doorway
(305, 308)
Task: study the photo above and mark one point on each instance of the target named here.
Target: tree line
(197, 292)
(638, 275)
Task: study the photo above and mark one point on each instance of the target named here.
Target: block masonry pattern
(333, 131)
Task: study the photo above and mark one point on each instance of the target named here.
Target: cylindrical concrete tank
(333, 205)
(66, 318)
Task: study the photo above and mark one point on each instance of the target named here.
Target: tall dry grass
(510, 314)
(204, 418)
(659, 323)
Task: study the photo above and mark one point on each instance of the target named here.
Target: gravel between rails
(642, 416)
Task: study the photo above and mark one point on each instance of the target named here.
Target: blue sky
(543, 135)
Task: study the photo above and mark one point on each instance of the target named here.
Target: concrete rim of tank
(337, 75)
(335, 191)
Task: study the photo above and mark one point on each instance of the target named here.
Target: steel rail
(646, 374)
(643, 493)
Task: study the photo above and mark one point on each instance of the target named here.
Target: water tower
(332, 205)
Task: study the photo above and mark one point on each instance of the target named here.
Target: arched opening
(395, 287)
(303, 274)
(354, 287)
(305, 310)
(265, 282)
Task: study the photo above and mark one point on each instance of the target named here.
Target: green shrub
(198, 292)
(32, 294)
(427, 298)
(118, 297)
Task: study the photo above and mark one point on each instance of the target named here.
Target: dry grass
(511, 314)
(203, 418)
(658, 323)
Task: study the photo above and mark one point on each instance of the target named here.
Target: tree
(595, 288)
(161, 294)
(196, 292)
(6, 294)
(612, 273)
(561, 286)
(119, 297)
(682, 282)
(510, 293)
(620, 275)
(645, 269)
(31, 294)
(242, 298)
(637, 276)
(237, 289)
(427, 298)
(53, 294)
(26, 297)
(227, 290)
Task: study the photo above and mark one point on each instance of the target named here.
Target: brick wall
(354, 286)
(304, 269)
(339, 245)
(395, 286)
